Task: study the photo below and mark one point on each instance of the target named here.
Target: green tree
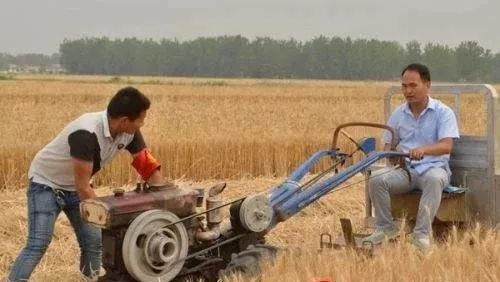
(474, 63)
(236, 56)
(442, 62)
(495, 76)
(413, 52)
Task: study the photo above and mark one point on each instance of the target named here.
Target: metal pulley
(151, 250)
(256, 213)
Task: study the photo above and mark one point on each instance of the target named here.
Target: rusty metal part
(347, 231)
(217, 189)
(323, 244)
(209, 235)
(214, 216)
(343, 132)
(204, 212)
(227, 241)
(118, 192)
(349, 239)
(200, 197)
(162, 184)
(110, 211)
(366, 124)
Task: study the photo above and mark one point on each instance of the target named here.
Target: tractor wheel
(247, 262)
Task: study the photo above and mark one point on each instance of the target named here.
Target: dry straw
(240, 131)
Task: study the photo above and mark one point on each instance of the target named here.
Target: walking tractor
(160, 233)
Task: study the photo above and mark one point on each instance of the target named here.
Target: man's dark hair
(423, 70)
(128, 102)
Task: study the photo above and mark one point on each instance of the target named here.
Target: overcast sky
(39, 26)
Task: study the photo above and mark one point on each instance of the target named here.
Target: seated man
(60, 173)
(426, 129)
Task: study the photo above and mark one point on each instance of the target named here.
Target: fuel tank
(120, 208)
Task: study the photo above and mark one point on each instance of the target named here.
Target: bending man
(60, 173)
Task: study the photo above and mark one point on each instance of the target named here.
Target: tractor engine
(160, 233)
(142, 237)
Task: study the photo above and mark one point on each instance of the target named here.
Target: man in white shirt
(60, 173)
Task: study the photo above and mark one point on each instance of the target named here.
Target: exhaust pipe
(214, 218)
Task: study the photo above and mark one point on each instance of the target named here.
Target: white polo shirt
(87, 138)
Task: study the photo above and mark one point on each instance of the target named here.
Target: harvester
(162, 233)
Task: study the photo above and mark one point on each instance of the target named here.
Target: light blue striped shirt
(437, 121)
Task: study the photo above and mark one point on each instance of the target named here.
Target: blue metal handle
(288, 199)
(291, 185)
(299, 173)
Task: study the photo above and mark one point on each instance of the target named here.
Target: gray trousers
(388, 181)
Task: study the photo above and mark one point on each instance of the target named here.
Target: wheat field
(248, 133)
(199, 129)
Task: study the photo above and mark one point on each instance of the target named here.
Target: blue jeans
(44, 206)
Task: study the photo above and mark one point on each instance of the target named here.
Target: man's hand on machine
(157, 179)
(396, 161)
(417, 153)
(149, 169)
(442, 147)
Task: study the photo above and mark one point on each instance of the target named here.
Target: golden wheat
(471, 256)
(199, 129)
(208, 129)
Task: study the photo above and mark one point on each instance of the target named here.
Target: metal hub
(256, 213)
(160, 248)
(150, 249)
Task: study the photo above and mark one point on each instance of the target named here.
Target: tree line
(263, 57)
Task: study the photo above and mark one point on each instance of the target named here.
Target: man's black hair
(423, 70)
(128, 102)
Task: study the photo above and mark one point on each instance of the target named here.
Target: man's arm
(83, 173)
(83, 146)
(144, 163)
(447, 130)
(442, 147)
(156, 177)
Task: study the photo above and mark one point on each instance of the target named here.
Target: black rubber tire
(247, 262)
